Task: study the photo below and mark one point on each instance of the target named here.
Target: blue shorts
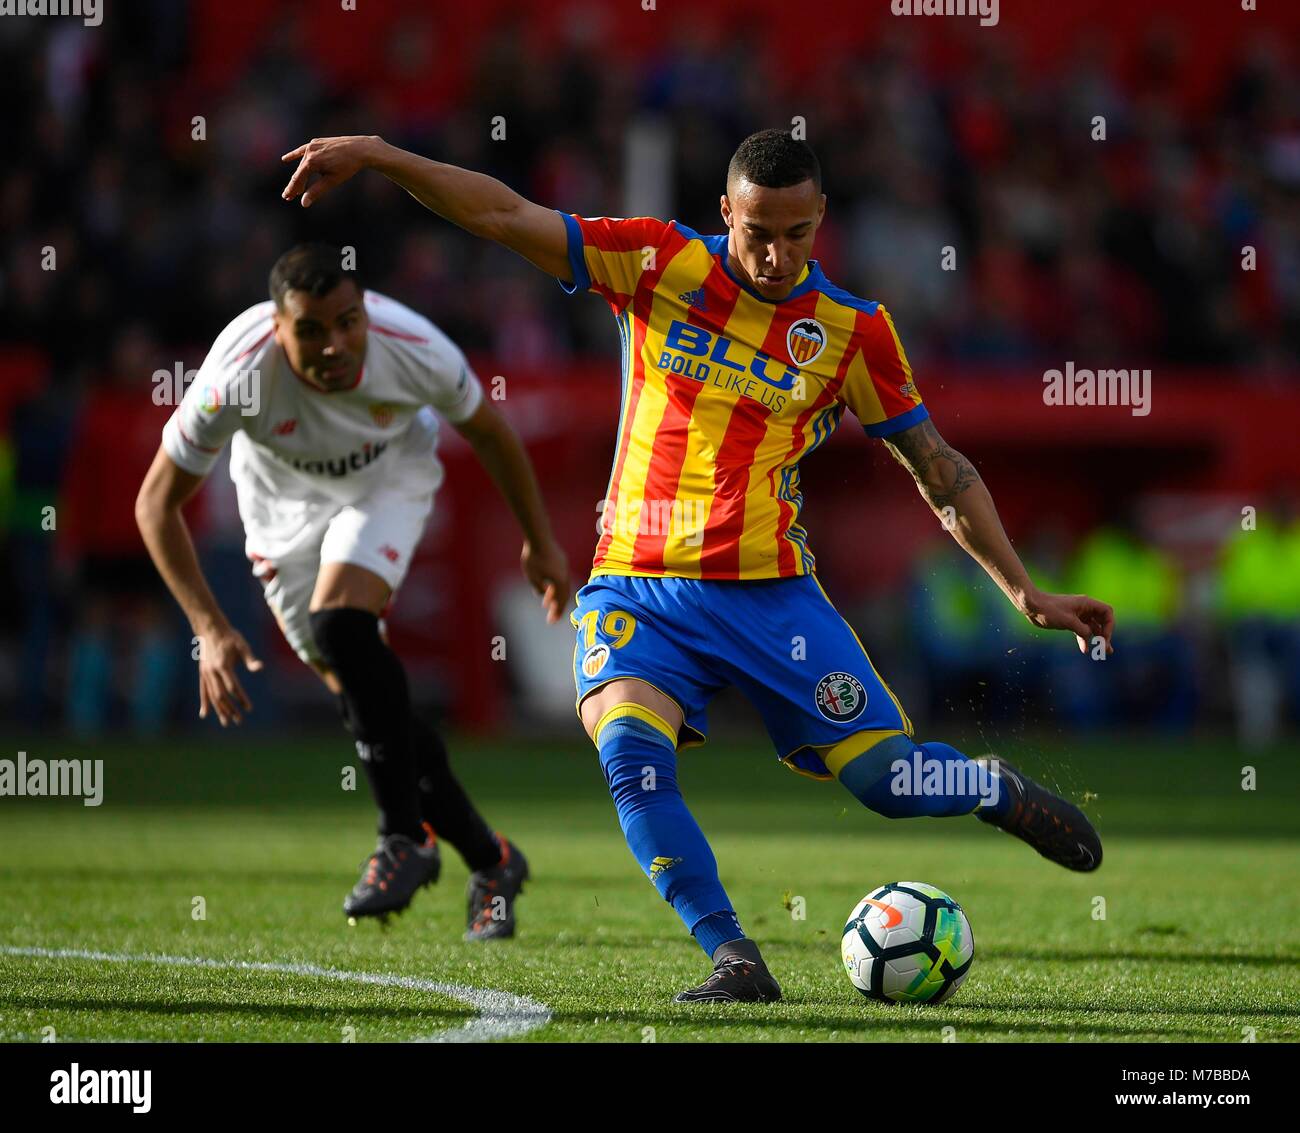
(780, 641)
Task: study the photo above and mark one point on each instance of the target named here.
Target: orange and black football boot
(392, 875)
(492, 893)
(734, 980)
(1055, 828)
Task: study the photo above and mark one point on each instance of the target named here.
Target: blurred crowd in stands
(1127, 248)
(149, 164)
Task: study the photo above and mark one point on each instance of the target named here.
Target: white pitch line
(501, 1014)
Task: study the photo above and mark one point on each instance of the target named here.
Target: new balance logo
(694, 299)
(284, 428)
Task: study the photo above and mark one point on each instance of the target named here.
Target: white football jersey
(294, 441)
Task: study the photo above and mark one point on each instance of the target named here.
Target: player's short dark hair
(314, 268)
(774, 159)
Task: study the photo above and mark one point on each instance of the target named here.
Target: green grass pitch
(1200, 938)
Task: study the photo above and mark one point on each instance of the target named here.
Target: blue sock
(901, 778)
(717, 929)
(1001, 806)
(640, 766)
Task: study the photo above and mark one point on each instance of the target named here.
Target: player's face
(772, 233)
(324, 338)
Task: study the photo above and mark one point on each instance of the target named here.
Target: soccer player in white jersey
(327, 395)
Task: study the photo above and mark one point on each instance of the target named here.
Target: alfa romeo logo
(840, 697)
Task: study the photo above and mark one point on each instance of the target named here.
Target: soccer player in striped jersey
(327, 395)
(739, 358)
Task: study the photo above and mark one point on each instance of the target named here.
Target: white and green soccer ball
(907, 942)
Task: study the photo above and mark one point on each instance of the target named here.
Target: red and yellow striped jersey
(724, 392)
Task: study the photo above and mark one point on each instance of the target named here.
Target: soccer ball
(907, 942)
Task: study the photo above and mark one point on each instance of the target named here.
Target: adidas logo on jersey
(694, 299)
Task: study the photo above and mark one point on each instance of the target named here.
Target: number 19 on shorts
(616, 626)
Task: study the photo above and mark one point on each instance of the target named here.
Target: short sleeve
(214, 408)
(609, 255)
(454, 390)
(878, 386)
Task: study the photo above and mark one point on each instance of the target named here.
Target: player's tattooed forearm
(913, 448)
(964, 476)
(940, 471)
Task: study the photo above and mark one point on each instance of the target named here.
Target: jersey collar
(809, 279)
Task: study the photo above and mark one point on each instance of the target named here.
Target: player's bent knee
(342, 633)
(342, 586)
(597, 706)
(631, 717)
(866, 770)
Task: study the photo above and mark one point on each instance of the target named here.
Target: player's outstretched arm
(501, 452)
(950, 485)
(165, 490)
(480, 204)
